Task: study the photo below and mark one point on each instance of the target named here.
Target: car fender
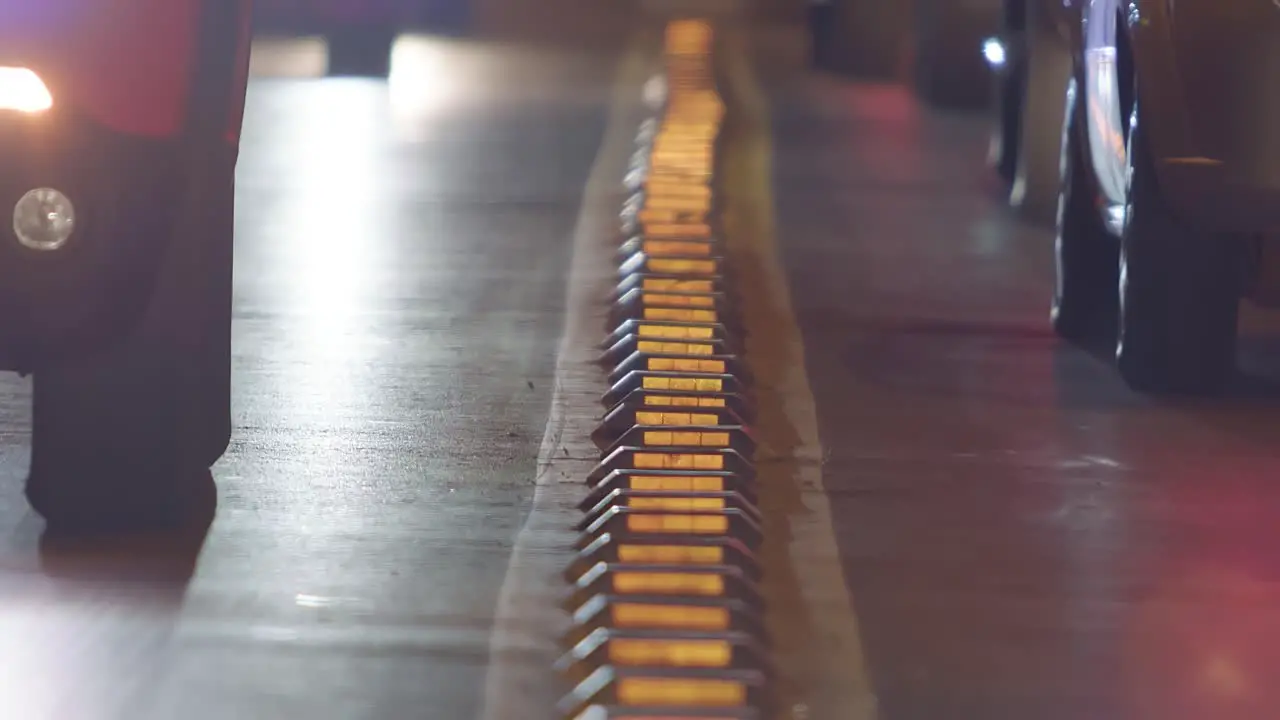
(1145, 26)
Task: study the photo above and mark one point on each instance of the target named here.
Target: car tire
(1087, 256)
(122, 439)
(949, 70)
(1179, 290)
(361, 51)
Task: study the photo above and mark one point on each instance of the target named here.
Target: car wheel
(122, 439)
(361, 51)
(1085, 297)
(1179, 290)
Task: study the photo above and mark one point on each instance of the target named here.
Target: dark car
(1169, 182)
(940, 40)
(1030, 58)
(360, 33)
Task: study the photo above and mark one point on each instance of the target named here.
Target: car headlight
(22, 89)
(44, 219)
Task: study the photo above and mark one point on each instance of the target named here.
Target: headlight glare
(21, 89)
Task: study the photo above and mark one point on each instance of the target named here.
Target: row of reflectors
(667, 611)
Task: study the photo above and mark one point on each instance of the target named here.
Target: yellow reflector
(671, 653)
(669, 418)
(683, 146)
(677, 504)
(671, 554)
(692, 384)
(653, 347)
(679, 524)
(676, 483)
(700, 167)
(640, 615)
(678, 285)
(700, 301)
(680, 315)
(665, 438)
(695, 159)
(684, 203)
(676, 332)
(661, 217)
(659, 186)
(683, 401)
(673, 247)
(690, 365)
(670, 583)
(690, 117)
(696, 230)
(685, 153)
(677, 461)
(672, 691)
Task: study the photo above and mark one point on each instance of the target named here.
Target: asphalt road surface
(968, 520)
(1021, 535)
(401, 258)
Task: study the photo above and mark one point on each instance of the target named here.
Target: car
(1030, 62)
(120, 131)
(940, 40)
(1169, 184)
(947, 68)
(360, 33)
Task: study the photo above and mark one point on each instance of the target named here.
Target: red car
(360, 32)
(119, 129)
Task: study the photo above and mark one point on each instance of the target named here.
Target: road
(965, 518)
(401, 257)
(1022, 536)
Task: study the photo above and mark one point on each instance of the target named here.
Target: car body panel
(1228, 59)
(1211, 104)
(138, 91)
(125, 135)
(1105, 125)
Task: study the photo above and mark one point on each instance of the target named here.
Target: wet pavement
(1022, 536)
(402, 251)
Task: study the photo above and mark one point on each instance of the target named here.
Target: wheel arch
(1148, 33)
(1140, 32)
